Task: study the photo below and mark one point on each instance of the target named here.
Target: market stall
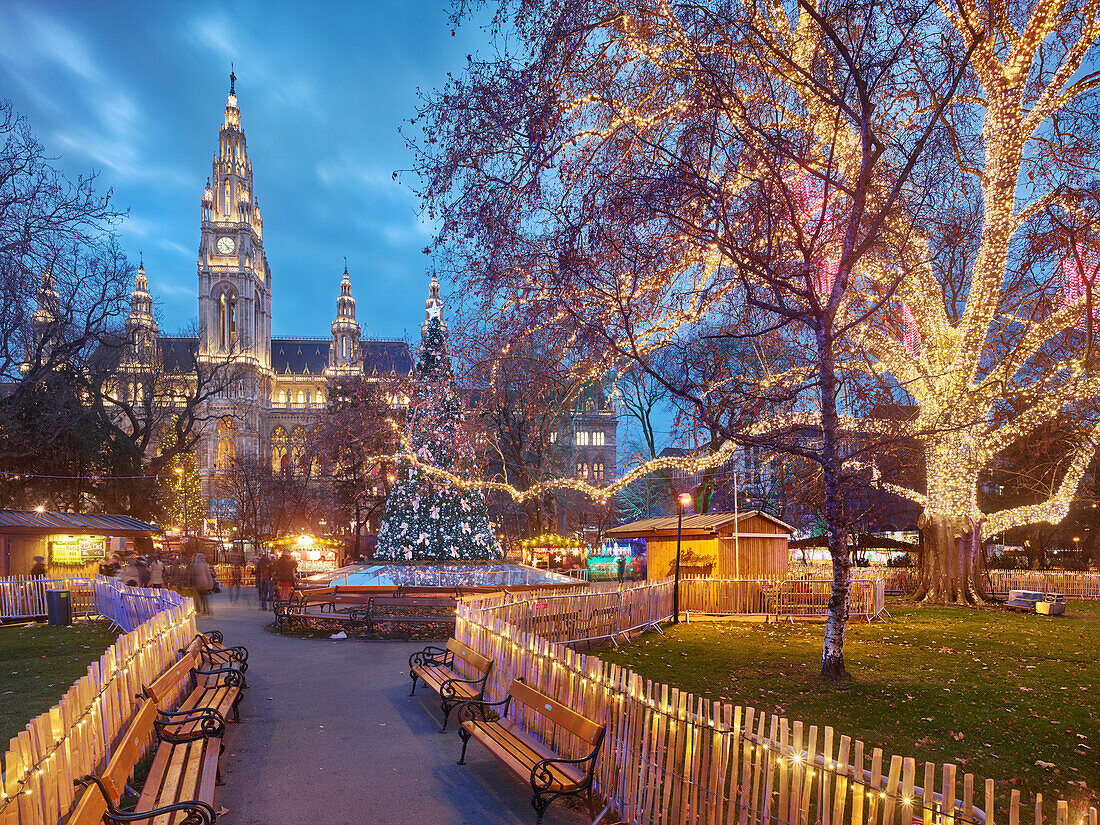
(315, 554)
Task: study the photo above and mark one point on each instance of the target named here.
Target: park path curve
(329, 736)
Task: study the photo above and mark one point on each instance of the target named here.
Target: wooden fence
(598, 613)
(670, 757)
(77, 735)
(781, 597)
(903, 580)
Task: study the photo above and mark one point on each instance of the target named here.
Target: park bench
(214, 651)
(550, 774)
(1023, 599)
(219, 688)
(180, 783)
(306, 608)
(437, 668)
(189, 793)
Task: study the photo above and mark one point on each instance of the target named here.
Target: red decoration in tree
(808, 208)
(910, 335)
(1079, 270)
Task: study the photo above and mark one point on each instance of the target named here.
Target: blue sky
(136, 91)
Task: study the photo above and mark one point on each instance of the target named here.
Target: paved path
(329, 735)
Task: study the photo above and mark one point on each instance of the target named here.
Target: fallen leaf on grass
(1039, 763)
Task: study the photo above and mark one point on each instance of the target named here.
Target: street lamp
(681, 502)
(183, 495)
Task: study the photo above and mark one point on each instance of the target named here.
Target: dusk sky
(136, 91)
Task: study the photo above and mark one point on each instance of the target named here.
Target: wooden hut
(72, 543)
(749, 545)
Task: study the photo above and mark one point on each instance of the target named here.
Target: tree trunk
(832, 648)
(952, 568)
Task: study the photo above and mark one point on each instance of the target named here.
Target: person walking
(202, 580)
(236, 575)
(130, 574)
(263, 574)
(38, 570)
(286, 575)
(156, 572)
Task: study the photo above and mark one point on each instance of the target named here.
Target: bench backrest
(91, 806)
(467, 654)
(166, 686)
(562, 716)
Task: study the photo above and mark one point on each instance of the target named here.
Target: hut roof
(33, 522)
(701, 524)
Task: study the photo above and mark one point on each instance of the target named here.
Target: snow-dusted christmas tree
(426, 517)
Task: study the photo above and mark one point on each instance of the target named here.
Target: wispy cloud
(254, 63)
(351, 174)
(102, 120)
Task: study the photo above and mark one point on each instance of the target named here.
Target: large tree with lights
(641, 175)
(430, 517)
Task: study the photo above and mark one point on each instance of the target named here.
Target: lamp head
(685, 499)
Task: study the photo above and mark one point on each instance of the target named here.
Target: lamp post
(681, 502)
(183, 495)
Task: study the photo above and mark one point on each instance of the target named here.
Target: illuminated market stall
(71, 543)
(315, 554)
(552, 552)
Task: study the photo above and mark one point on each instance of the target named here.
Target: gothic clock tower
(234, 295)
(234, 278)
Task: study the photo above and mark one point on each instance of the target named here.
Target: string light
(91, 712)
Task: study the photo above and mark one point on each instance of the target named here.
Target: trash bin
(59, 608)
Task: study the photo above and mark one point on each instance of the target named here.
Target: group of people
(153, 570)
(275, 576)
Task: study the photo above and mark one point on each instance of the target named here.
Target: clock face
(226, 246)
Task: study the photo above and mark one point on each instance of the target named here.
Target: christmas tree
(428, 517)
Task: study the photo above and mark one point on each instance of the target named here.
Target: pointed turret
(433, 307)
(344, 354)
(141, 326)
(47, 328)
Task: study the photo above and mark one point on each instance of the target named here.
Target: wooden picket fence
(671, 757)
(903, 580)
(77, 735)
(779, 597)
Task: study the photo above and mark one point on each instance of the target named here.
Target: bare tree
(63, 277)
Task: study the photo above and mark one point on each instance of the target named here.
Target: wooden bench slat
(557, 713)
(521, 753)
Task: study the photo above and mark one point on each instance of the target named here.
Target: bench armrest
(469, 710)
(542, 778)
(431, 655)
(211, 724)
(447, 689)
(198, 812)
(233, 676)
(216, 637)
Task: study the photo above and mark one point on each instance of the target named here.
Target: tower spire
(232, 81)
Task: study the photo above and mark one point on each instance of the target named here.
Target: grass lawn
(991, 691)
(38, 664)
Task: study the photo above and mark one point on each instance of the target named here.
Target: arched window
(227, 451)
(320, 398)
(282, 398)
(301, 397)
(278, 449)
(226, 200)
(298, 460)
(227, 320)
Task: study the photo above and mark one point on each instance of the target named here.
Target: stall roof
(34, 523)
(701, 524)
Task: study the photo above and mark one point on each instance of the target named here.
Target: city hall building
(280, 386)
